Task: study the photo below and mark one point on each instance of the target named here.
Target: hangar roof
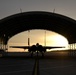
(19, 22)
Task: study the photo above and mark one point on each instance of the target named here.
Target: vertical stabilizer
(28, 38)
(28, 41)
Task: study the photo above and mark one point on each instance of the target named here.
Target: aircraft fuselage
(37, 47)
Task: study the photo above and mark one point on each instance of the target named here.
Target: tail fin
(28, 41)
(28, 38)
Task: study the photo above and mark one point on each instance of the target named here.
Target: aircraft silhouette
(36, 48)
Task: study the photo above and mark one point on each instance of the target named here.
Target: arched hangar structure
(14, 24)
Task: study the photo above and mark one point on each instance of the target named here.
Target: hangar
(11, 25)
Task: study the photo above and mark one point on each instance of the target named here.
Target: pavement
(16, 66)
(57, 67)
(47, 66)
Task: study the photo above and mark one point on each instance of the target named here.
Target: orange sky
(37, 36)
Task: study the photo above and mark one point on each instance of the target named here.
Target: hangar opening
(38, 36)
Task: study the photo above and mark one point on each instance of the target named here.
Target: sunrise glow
(57, 40)
(37, 36)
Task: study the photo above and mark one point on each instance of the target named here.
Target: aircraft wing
(24, 47)
(50, 47)
(46, 47)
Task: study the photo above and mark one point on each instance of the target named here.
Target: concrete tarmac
(57, 66)
(47, 66)
(16, 66)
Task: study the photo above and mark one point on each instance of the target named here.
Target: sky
(65, 7)
(10, 7)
